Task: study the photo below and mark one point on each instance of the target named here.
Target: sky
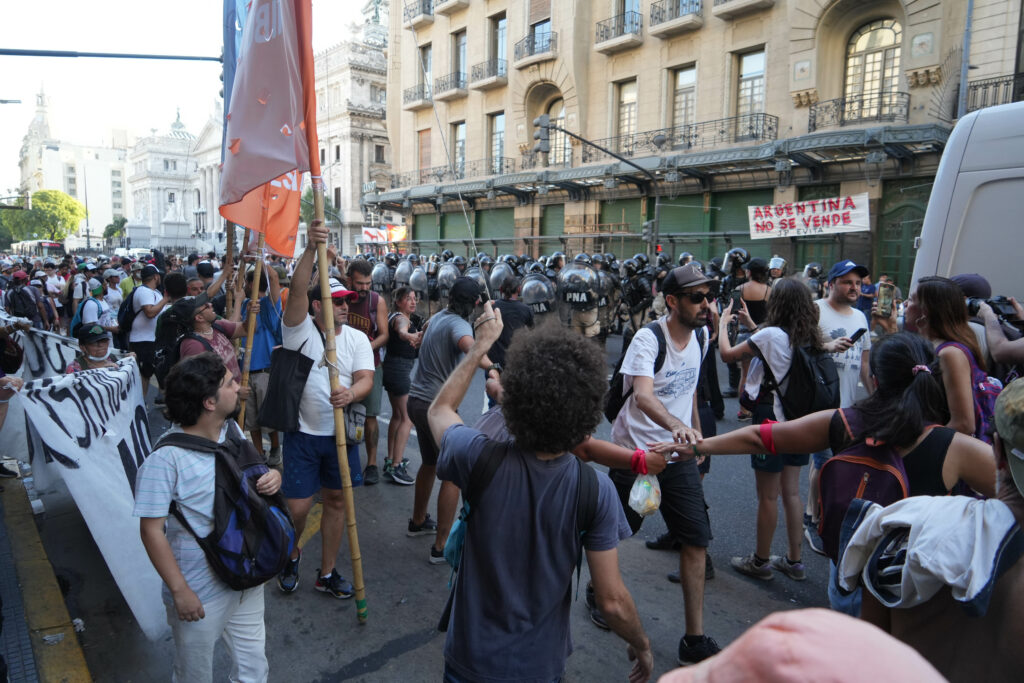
(88, 97)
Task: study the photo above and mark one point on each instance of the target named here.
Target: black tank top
(758, 310)
(398, 347)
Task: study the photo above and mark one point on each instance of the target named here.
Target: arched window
(872, 68)
(561, 152)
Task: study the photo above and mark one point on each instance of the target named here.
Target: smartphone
(886, 291)
(858, 334)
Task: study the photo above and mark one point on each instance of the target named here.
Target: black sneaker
(7, 473)
(598, 619)
(691, 654)
(288, 579)
(370, 475)
(664, 542)
(333, 584)
(400, 475)
(428, 526)
(811, 534)
(436, 556)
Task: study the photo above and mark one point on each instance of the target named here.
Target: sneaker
(793, 570)
(274, 459)
(748, 565)
(673, 577)
(436, 556)
(664, 542)
(709, 569)
(334, 584)
(370, 475)
(288, 579)
(159, 400)
(400, 475)
(428, 526)
(385, 473)
(730, 393)
(811, 534)
(744, 415)
(598, 619)
(698, 652)
(7, 473)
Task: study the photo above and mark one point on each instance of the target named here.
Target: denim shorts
(311, 463)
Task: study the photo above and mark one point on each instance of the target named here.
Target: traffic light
(542, 135)
(648, 232)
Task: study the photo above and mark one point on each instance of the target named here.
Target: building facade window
(496, 126)
(337, 198)
(872, 69)
(323, 156)
(540, 36)
(626, 113)
(426, 67)
(115, 173)
(337, 152)
(684, 96)
(170, 197)
(459, 148)
(378, 154)
(459, 53)
(561, 151)
(499, 37)
(199, 199)
(750, 86)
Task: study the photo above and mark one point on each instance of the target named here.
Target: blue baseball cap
(841, 268)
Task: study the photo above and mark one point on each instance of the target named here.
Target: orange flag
(271, 126)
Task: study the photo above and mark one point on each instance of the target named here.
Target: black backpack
(813, 383)
(253, 535)
(480, 477)
(126, 313)
(21, 303)
(616, 397)
(167, 353)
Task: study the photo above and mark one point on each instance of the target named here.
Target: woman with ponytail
(906, 411)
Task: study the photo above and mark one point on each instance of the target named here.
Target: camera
(1000, 305)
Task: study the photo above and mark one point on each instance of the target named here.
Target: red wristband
(766, 436)
(638, 463)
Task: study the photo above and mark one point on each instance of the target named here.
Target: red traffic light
(657, 248)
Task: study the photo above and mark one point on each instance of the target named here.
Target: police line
(90, 429)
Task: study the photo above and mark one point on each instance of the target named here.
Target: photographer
(1003, 350)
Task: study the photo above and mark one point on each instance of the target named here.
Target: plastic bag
(645, 496)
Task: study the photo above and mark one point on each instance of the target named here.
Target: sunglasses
(696, 298)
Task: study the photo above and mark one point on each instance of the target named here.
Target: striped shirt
(186, 477)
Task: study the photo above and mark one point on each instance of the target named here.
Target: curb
(58, 654)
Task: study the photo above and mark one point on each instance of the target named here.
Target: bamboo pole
(339, 413)
(250, 330)
(240, 270)
(229, 260)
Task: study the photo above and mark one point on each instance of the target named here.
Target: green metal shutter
(425, 228)
(495, 223)
(552, 222)
(684, 215)
(900, 216)
(627, 211)
(731, 216)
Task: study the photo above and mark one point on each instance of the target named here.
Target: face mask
(98, 359)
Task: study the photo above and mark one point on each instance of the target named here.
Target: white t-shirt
(114, 298)
(54, 286)
(316, 416)
(144, 327)
(674, 385)
(774, 345)
(98, 311)
(835, 325)
(80, 288)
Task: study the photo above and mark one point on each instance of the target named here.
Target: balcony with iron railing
(450, 87)
(534, 48)
(989, 92)
(728, 9)
(619, 33)
(480, 168)
(416, 97)
(447, 7)
(490, 74)
(859, 109)
(672, 17)
(418, 13)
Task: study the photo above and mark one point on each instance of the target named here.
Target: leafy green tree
(54, 215)
(114, 229)
(306, 212)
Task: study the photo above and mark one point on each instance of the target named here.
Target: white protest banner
(46, 353)
(92, 427)
(810, 218)
(374, 234)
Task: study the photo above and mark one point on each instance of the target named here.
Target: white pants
(235, 616)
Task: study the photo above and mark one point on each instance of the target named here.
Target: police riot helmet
(535, 267)
(403, 271)
(812, 270)
(599, 259)
(582, 257)
(485, 261)
(714, 267)
(460, 263)
(391, 259)
(556, 260)
(418, 281)
(447, 255)
(500, 274)
(413, 258)
(662, 260)
(433, 258)
(641, 259)
(538, 293)
(380, 279)
(685, 258)
(734, 258)
(630, 267)
(777, 263)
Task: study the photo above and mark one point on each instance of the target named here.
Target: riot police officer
(578, 297)
(812, 278)
(637, 292)
(776, 269)
(538, 292)
(382, 279)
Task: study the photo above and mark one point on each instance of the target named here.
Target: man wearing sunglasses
(662, 406)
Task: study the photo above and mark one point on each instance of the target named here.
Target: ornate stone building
(722, 104)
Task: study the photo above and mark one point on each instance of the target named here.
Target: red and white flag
(271, 124)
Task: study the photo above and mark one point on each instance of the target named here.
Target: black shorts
(418, 414)
(397, 371)
(145, 356)
(763, 462)
(682, 502)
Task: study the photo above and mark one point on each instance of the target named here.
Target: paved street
(312, 637)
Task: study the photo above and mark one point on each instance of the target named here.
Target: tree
(54, 215)
(306, 212)
(114, 229)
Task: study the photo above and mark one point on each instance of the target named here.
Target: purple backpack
(985, 390)
(863, 469)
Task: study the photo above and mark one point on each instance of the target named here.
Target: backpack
(76, 320)
(480, 477)
(985, 391)
(253, 535)
(617, 395)
(21, 303)
(126, 312)
(859, 471)
(813, 382)
(168, 355)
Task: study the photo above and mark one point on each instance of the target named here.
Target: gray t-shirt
(510, 619)
(439, 354)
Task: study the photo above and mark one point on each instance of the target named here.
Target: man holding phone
(840, 322)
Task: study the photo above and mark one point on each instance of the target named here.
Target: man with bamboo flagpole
(270, 141)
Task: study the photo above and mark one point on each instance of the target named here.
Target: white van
(975, 217)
